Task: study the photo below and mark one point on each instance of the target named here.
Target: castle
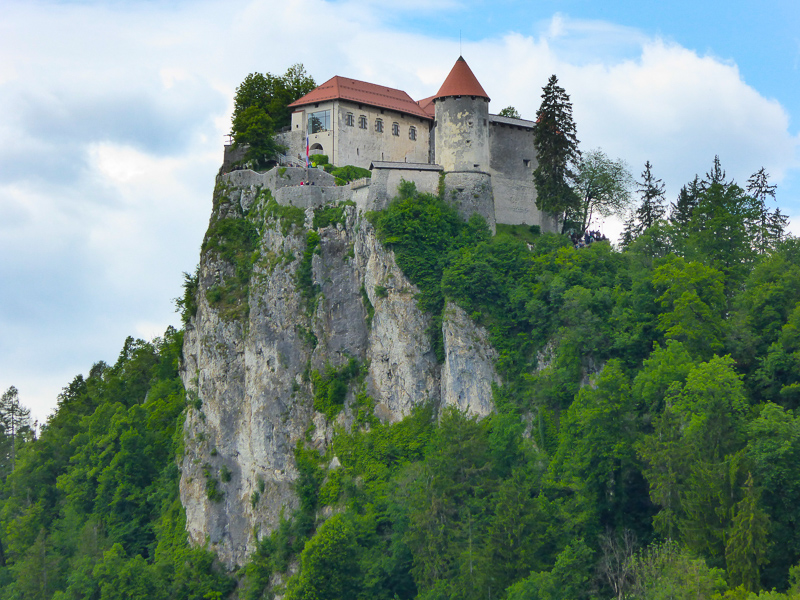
(487, 161)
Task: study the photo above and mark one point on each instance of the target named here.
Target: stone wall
(471, 192)
(511, 148)
(311, 196)
(231, 156)
(385, 182)
(515, 201)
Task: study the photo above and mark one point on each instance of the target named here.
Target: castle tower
(461, 143)
(462, 121)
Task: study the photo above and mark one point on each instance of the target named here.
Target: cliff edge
(286, 297)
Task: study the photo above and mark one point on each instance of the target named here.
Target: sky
(113, 117)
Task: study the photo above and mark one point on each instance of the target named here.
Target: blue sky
(114, 115)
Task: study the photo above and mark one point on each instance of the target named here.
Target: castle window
(379, 125)
(362, 121)
(319, 121)
(349, 120)
(527, 162)
(395, 129)
(412, 133)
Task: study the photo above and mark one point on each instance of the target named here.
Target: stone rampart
(311, 196)
(471, 192)
(515, 201)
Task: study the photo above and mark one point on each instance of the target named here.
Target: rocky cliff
(283, 294)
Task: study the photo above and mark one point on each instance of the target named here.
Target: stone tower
(461, 143)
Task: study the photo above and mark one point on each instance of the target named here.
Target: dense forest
(644, 444)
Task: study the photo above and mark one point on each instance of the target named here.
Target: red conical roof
(461, 82)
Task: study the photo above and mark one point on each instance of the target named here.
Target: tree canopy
(603, 185)
(261, 107)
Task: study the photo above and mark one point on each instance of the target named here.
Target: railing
(290, 161)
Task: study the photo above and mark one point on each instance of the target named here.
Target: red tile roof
(426, 104)
(361, 92)
(461, 82)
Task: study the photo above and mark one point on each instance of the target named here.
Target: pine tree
(683, 207)
(715, 175)
(651, 191)
(768, 228)
(556, 151)
(15, 421)
(651, 209)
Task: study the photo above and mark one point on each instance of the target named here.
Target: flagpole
(306, 154)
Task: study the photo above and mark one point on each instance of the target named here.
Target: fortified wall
(493, 197)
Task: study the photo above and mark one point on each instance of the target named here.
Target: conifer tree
(651, 209)
(15, 420)
(715, 175)
(769, 227)
(556, 152)
(688, 199)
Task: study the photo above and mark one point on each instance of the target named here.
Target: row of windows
(362, 124)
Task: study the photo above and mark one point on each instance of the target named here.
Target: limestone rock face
(247, 372)
(468, 371)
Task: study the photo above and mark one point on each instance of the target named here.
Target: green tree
(328, 564)
(773, 450)
(603, 185)
(596, 453)
(746, 547)
(261, 107)
(683, 207)
(719, 233)
(15, 420)
(557, 152)
(272, 94)
(569, 579)
(692, 301)
(254, 128)
(769, 226)
(667, 571)
(651, 208)
(510, 112)
(695, 457)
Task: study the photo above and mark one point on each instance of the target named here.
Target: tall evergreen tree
(768, 227)
(688, 198)
(556, 151)
(15, 419)
(651, 209)
(715, 175)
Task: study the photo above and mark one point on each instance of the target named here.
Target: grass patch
(526, 233)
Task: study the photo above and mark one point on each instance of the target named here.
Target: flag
(306, 149)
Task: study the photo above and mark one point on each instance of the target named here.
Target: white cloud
(114, 119)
